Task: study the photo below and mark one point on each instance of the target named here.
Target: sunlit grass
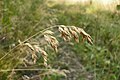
(23, 18)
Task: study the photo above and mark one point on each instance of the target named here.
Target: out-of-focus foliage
(23, 18)
(118, 7)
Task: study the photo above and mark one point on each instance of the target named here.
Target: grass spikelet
(43, 53)
(34, 57)
(48, 32)
(29, 45)
(85, 35)
(74, 34)
(65, 34)
(52, 41)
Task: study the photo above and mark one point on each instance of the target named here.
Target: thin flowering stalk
(6, 70)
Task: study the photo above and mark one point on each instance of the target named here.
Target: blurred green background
(20, 19)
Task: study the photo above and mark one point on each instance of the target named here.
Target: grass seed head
(52, 41)
(43, 53)
(29, 45)
(74, 34)
(49, 32)
(66, 32)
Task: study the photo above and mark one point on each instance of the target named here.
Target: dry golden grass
(32, 47)
(66, 32)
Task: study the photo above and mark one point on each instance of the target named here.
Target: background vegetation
(21, 19)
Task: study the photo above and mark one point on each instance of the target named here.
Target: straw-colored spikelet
(29, 45)
(74, 34)
(35, 49)
(48, 32)
(52, 41)
(65, 34)
(85, 35)
(43, 53)
(68, 31)
(34, 56)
